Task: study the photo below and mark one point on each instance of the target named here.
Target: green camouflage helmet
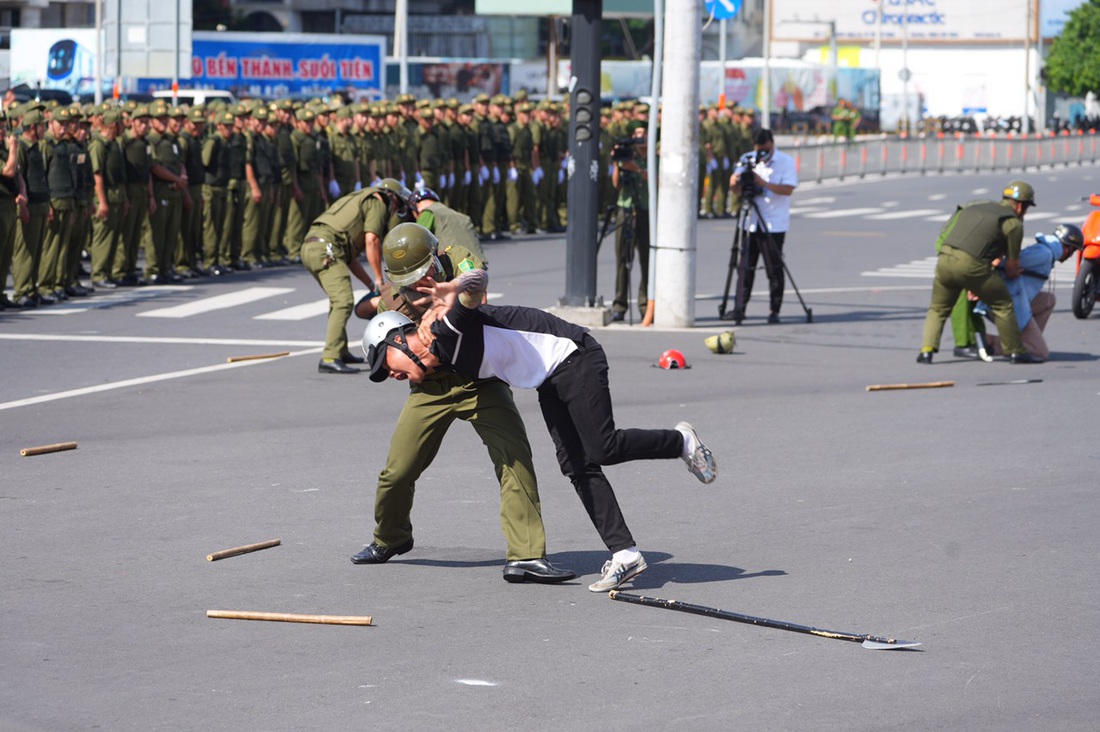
(1021, 191)
(409, 252)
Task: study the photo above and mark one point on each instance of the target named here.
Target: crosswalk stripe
(304, 311)
(891, 215)
(1041, 215)
(104, 299)
(917, 268)
(218, 302)
(838, 213)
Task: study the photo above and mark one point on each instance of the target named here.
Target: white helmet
(377, 337)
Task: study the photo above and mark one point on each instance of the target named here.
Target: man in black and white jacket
(530, 348)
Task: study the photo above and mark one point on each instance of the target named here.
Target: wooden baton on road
(242, 550)
(257, 357)
(924, 385)
(47, 448)
(291, 617)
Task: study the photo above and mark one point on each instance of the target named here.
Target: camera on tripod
(624, 150)
(749, 188)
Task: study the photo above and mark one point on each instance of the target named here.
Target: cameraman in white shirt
(774, 179)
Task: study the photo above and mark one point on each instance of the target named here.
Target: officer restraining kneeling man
(529, 348)
(979, 234)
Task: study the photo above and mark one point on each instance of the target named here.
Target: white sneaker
(615, 573)
(700, 463)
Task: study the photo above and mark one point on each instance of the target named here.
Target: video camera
(748, 176)
(624, 149)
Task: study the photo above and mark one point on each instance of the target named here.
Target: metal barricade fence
(937, 154)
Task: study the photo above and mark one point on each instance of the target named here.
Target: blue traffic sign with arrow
(723, 9)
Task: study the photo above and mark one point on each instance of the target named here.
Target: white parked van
(191, 97)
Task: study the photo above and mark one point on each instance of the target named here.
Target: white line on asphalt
(836, 214)
(891, 215)
(937, 197)
(104, 299)
(816, 201)
(801, 210)
(304, 311)
(1042, 215)
(218, 302)
(157, 340)
(140, 381)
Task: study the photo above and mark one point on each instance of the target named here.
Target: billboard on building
(939, 21)
(54, 58)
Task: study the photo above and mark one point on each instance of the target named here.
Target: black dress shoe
(535, 570)
(773, 318)
(924, 357)
(352, 358)
(970, 352)
(375, 554)
(1024, 358)
(73, 291)
(26, 302)
(335, 366)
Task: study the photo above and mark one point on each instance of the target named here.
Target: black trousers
(576, 405)
(773, 266)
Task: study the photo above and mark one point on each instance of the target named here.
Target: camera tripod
(629, 226)
(739, 260)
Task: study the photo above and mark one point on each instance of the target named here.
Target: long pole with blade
(871, 642)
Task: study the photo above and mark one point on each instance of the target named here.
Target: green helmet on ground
(409, 251)
(1021, 191)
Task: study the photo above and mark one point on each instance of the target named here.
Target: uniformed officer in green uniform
(262, 176)
(429, 152)
(525, 161)
(139, 193)
(345, 153)
(356, 223)
(13, 200)
(288, 172)
(306, 208)
(979, 234)
(30, 233)
(170, 183)
(59, 155)
(109, 169)
(68, 272)
(411, 253)
(215, 194)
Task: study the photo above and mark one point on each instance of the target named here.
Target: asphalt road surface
(963, 518)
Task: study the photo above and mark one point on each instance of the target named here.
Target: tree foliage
(1073, 63)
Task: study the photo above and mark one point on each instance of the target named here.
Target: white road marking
(106, 299)
(1043, 215)
(475, 682)
(156, 340)
(917, 268)
(218, 302)
(937, 197)
(838, 213)
(816, 201)
(139, 381)
(304, 311)
(801, 210)
(912, 214)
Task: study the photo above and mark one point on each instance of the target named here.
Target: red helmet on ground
(672, 359)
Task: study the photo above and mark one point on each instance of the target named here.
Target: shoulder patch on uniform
(466, 265)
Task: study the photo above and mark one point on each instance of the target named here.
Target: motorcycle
(1087, 286)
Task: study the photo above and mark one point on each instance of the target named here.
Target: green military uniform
(69, 264)
(337, 237)
(429, 153)
(9, 213)
(262, 162)
(977, 234)
(521, 184)
(136, 151)
(190, 247)
(486, 172)
(168, 216)
(108, 163)
(215, 197)
(431, 407)
(30, 236)
(346, 167)
(237, 190)
(308, 154)
(453, 228)
(288, 175)
(59, 156)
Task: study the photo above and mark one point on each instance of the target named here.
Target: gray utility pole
(584, 166)
(679, 166)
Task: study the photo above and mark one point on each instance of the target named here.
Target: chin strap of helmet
(404, 348)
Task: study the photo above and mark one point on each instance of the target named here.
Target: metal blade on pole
(871, 642)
